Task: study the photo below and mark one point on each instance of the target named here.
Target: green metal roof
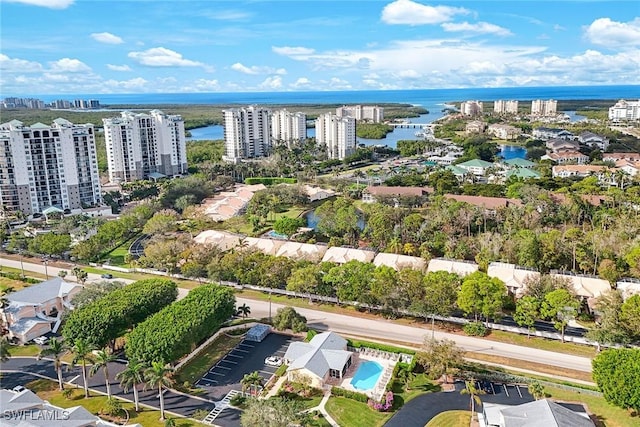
(523, 163)
(475, 163)
(456, 170)
(523, 173)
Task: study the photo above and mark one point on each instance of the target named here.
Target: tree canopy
(617, 373)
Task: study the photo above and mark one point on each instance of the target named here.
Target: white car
(19, 388)
(41, 340)
(273, 361)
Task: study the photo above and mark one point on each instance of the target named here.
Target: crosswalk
(220, 406)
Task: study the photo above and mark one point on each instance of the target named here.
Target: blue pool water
(275, 235)
(367, 375)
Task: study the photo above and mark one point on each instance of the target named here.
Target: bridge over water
(412, 125)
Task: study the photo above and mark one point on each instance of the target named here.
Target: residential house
(606, 175)
(514, 276)
(342, 255)
(317, 193)
(564, 157)
(266, 246)
(539, 413)
(477, 167)
(519, 163)
(489, 204)
(31, 312)
(314, 363)
(630, 168)
(545, 133)
(228, 204)
(457, 171)
(586, 286)
(221, 240)
(591, 139)
(460, 267)
(444, 160)
(302, 251)
(522, 173)
(399, 262)
(615, 157)
(628, 287)
(26, 409)
(371, 194)
(503, 131)
(558, 144)
(475, 126)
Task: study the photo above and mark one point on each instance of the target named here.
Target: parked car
(107, 276)
(19, 388)
(41, 340)
(273, 361)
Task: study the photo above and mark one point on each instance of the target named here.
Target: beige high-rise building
(43, 166)
(338, 134)
(544, 108)
(505, 107)
(247, 133)
(371, 113)
(287, 127)
(143, 146)
(471, 108)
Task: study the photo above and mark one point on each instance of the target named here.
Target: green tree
(288, 226)
(82, 354)
(160, 376)
(527, 311)
(474, 393)
(252, 379)
(630, 315)
(244, 310)
(617, 373)
(94, 291)
(561, 307)
(274, 412)
(440, 358)
(305, 279)
(439, 297)
(481, 294)
(289, 318)
(351, 280)
(609, 328)
(384, 286)
(4, 349)
(162, 222)
(537, 390)
(50, 244)
(55, 349)
(101, 359)
(130, 377)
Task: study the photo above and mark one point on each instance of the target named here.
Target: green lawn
(24, 350)
(48, 390)
(607, 414)
(15, 285)
(451, 419)
(117, 255)
(197, 367)
(349, 413)
(419, 385)
(543, 344)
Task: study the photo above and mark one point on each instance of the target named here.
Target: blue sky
(111, 46)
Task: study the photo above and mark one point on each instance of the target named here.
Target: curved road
(386, 330)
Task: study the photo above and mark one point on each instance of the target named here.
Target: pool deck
(358, 359)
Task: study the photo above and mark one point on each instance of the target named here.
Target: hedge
(179, 328)
(105, 319)
(267, 180)
(353, 395)
(377, 346)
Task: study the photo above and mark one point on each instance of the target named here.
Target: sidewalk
(321, 408)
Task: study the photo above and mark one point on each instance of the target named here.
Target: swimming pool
(367, 375)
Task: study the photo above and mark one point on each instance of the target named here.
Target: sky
(174, 46)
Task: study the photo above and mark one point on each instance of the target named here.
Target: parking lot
(245, 358)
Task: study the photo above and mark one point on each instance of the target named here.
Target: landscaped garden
(451, 419)
(199, 365)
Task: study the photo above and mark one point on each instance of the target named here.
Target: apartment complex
(288, 127)
(542, 108)
(247, 133)
(625, 111)
(143, 146)
(505, 107)
(471, 108)
(338, 134)
(43, 166)
(371, 113)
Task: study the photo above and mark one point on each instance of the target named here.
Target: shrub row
(177, 329)
(353, 395)
(107, 318)
(269, 180)
(378, 346)
(16, 276)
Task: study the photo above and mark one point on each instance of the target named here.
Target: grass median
(199, 365)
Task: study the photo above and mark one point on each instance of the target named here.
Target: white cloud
(69, 65)
(606, 32)
(51, 4)
(292, 51)
(409, 74)
(18, 65)
(301, 83)
(162, 57)
(478, 27)
(118, 67)
(274, 82)
(227, 15)
(558, 27)
(411, 13)
(254, 69)
(107, 38)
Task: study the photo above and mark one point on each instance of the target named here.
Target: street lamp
(269, 305)
(45, 261)
(21, 265)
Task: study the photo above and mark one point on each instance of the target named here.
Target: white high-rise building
(338, 134)
(471, 108)
(288, 127)
(505, 107)
(371, 113)
(625, 111)
(45, 166)
(143, 146)
(247, 133)
(542, 108)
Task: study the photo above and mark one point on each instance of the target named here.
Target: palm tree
(82, 351)
(537, 390)
(474, 394)
(244, 310)
(130, 377)
(4, 349)
(56, 350)
(251, 379)
(101, 360)
(159, 375)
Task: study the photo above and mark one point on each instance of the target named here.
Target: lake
(508, 152)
